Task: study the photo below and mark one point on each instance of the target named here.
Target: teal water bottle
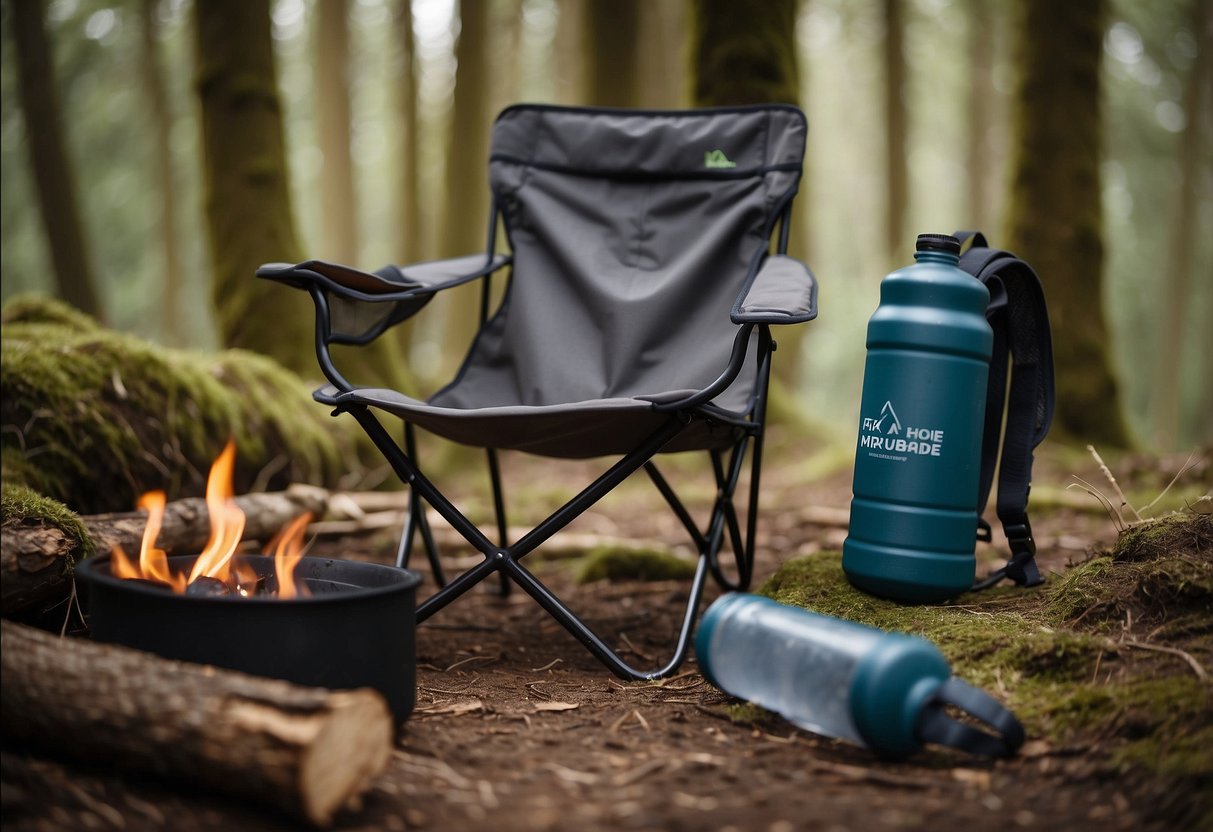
(914, 516)
(887, 691)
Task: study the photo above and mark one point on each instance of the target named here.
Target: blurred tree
(662, 58)
(52, 168)
(1055, 214)
(610, 43)
(409, 217)
(467, 197)
(896, 140)
(505, 23)
(1177, 288)
(331, 37)
(170, 279)
(248, 206)
(979, 107)
(570, 57)
(745, 53)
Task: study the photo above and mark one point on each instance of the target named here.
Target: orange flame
(227, 520)
(216, 561)
(287, 548)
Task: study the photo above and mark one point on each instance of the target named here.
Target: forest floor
(517, 727)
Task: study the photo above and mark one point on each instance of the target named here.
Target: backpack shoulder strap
(1023, 347)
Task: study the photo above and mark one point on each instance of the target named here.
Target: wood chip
(556, 706)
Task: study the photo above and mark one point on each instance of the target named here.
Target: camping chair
(635, 321)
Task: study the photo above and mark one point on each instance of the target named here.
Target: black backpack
(1023, 347)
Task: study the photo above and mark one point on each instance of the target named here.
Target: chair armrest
(390, 283)
(783, 291)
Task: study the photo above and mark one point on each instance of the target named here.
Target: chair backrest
(633, 233)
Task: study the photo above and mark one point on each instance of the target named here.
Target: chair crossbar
(504, 558)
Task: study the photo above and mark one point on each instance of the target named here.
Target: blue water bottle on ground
(914, 515)
(886, 691)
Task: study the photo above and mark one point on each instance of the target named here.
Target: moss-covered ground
(1114, 655)
(92, 418)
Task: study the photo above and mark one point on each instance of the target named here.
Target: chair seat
(575, 430)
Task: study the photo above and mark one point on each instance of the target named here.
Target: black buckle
(1019, 536)
(1022, 568)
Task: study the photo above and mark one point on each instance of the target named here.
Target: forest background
(387, 106)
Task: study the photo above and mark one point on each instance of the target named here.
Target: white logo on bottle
(882, 436)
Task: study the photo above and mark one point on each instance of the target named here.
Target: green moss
(39, 309)
(1044, 654)
(1159, 574)
(21, 505)
(93, 418)
(615, 563)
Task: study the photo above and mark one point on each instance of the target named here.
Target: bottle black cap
(938, 242)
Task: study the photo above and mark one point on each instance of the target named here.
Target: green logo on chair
(717, 159)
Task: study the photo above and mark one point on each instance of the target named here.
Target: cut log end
(351, 747)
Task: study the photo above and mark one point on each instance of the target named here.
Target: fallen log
(36, 559)
(307, 751)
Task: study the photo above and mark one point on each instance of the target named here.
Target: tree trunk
(1177, 285)
(745, 53)
(1055, 216)
(339, 227)
(172, 315)
(49, 161)
(248, 203)
(610, 43)
(304, 750)
(661, 55)
(981, 95)
(36, 559)
(248, 207)
(570, 56)
(409, 217)
(896, 172)
(466, 176)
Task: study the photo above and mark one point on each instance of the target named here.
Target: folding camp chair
(635, 321)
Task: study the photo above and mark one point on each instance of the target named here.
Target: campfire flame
(217, 560)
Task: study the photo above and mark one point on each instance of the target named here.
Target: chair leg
(590, 640)
(417, 521)
(505, 559)
(503, 536)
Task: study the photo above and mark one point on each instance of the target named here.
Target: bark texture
(36, 558)
(1055, 216)
(248, 207)
(304, 750)
(339, 226)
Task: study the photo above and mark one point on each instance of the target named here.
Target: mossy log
(37, 557)
(93, 418)
(304, 750)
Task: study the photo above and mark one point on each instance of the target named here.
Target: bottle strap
(1023, 348)
(935, 725)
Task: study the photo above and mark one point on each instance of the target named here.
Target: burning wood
(217, 570)
(36, 559)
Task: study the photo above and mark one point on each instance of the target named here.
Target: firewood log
(305, 750)
(34, 558)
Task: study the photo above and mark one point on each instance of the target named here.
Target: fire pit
(354, 629)
(313, 621)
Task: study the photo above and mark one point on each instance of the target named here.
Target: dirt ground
(517, 727)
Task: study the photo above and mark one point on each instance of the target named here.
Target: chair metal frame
(752, 341)
(505, 558)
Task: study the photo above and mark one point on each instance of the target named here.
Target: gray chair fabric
(639, 244)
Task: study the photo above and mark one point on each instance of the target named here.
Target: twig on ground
(1196, 666)
(1107, 472)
